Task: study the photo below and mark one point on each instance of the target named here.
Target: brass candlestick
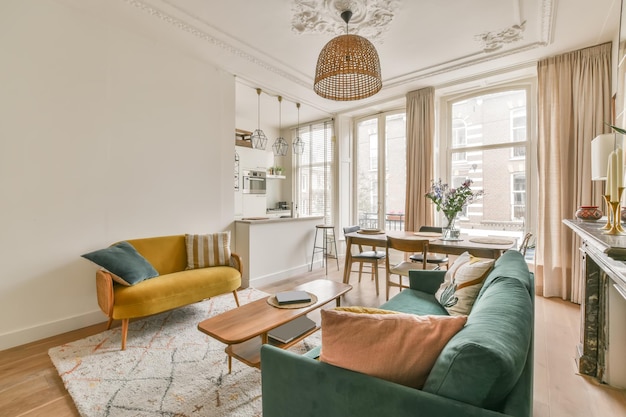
(608, 224)
(618, 214)
(613, 230)
(616, 227)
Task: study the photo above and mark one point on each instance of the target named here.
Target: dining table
(479, 246)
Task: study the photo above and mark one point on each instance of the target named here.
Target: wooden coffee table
(244, 329)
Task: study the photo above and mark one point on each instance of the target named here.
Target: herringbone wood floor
(30, 385)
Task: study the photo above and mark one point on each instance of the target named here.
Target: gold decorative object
(616, 227)
(348, 67)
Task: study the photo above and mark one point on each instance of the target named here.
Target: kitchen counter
(265, 219)
(273, 249)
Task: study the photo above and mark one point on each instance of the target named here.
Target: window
(518, 196)
(488, 144)
(314, 171)
(380, 170)
(459, 139)
(518, 131)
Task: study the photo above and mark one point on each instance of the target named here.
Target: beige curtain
(420, 133)
(574, 102)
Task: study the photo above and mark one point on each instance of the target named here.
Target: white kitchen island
(275, 248)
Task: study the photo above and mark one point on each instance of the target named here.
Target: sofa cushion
(404, 346)
(174, 290)
(208, 250)
(512, 265)
(126, 265)
(482, 363)
(415, 302)
(462, 282)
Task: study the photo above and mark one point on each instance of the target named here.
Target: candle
(607, 190)
(614, 177)
(620, 167)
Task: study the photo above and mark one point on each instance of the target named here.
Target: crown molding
(202, 29)
(203, 35)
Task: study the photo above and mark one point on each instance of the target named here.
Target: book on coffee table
(289, 331)
(292, 297)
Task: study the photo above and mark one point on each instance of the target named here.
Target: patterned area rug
(169, 368)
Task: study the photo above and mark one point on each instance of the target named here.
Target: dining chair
(523, 247)
(437, 259)
(401, 269)
(365, 257)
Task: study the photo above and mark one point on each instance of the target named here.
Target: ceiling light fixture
(258, 138)
(348, 67)
(280, 145)
(298, 143)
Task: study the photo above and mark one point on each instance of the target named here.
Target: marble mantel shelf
(602, 350)
(599, 244)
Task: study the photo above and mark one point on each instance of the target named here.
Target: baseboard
(282, 275)
(32, 334)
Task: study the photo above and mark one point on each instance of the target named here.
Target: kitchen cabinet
(274, 249)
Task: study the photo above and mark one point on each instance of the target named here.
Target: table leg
(338, 301)
(230, 363)
(346, 267)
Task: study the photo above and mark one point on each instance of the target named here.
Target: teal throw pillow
(123, 260)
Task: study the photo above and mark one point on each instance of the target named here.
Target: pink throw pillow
(401, 347)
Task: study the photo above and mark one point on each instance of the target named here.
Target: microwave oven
(253, 182)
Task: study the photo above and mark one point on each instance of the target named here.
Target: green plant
(617, 129)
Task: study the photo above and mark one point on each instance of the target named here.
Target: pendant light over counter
(348, 67)
(298, 143)
(258, 138)
(280, 145)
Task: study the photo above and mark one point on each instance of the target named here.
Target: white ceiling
(423, 42)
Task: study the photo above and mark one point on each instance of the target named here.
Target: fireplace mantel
(601, 353)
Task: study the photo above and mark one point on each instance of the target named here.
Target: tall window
(493, 155)
(380, 149)
(314, 171)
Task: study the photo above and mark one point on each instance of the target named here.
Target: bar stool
(328, 237)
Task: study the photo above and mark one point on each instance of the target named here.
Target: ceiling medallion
(371, 18)
(492, 41)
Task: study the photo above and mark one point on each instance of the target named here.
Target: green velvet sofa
(484, 370)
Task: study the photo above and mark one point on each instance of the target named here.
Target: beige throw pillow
(401, 347)
(208, 250)
(462, 283)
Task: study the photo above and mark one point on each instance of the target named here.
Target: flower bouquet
(451, 202)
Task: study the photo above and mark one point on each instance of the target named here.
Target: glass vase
(451, 232)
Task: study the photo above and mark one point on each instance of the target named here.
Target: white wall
(105, 135)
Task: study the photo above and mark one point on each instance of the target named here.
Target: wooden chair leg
(109, 323)
(360, 270)
(375, 266)
(236, 298)
(124, 332)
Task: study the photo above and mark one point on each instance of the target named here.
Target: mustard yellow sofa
(174, 287)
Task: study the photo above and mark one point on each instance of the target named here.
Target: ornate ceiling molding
(492, 41)
(370, 18)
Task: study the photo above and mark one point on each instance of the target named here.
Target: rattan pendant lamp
(348, 67)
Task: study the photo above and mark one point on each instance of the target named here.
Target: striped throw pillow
(208, 250)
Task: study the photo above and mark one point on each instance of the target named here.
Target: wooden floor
(30, 385)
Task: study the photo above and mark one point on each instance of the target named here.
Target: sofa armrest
(235, 262)
(427, 281)
(104, 289)
(297, 385)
